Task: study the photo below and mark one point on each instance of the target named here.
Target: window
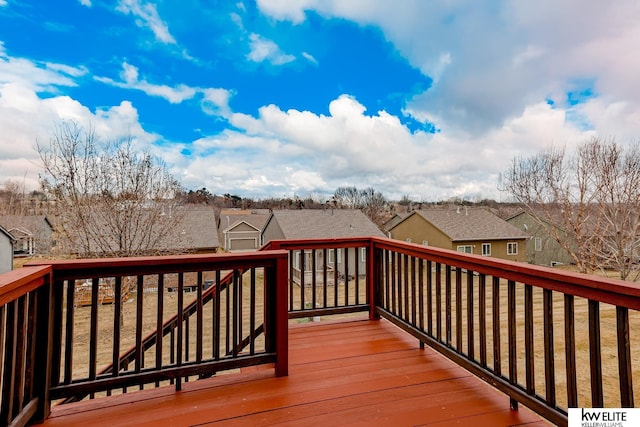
(332, 255)
(538, 244)
(408, 239)
(486, 249)
(363, 254)
(425, 243)
(468, 249)
(512, 248)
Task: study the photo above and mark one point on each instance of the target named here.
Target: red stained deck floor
(356, 372)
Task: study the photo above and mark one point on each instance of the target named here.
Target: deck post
(43, 349)
(281, 317)
(373, 279)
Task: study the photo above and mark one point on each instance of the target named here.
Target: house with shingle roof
(463, 229)
(198, 231)
(394, 220)
(321, 224)
(542, 247)
(318, 224)
(33, 234)
(241, 228)
(188, 230)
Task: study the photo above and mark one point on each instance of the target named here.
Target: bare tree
(369, 201)
(348, 198)
(12, 195)
(587, 201)
(617, 171)
(109, 199)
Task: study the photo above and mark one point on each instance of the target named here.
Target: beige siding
(498, 248)
(418, 230)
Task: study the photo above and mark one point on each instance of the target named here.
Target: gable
(240, 227)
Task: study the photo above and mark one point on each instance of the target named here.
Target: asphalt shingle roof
(471, 224)
(199, 228)
(325, 223)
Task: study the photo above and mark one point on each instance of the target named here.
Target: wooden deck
(353, 372)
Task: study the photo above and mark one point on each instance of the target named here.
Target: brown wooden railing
(327, 277)
(25, 309)
(535, 333)
(549, 339)
(233, 323)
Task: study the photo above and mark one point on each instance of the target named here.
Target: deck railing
(549, 339)
(327, 277)
(25, 308)
(149, 335)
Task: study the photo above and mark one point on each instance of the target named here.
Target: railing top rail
(81, 268)
(19, 282)
(328, 243)
(600, 288)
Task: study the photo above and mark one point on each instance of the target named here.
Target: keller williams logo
(603, 415)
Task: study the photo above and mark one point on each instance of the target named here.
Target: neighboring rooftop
(229, 218)
(465, 223)
(198, 227)
(324, 223)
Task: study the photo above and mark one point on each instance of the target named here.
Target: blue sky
(281, 98)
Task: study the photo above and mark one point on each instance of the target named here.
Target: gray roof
(27, 223)
(471, 224)
(9, 235)
(190, 229)
(198, 227)
(324, 223)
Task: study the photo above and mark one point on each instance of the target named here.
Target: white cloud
(286, 152)
(491, 63)
(147, 16)
(3, 3)
(293, 10)
(27, 118)
(214, 100)
(266, 50)
(310, 58)
(131, 80)
(85, 3)
(40, 76)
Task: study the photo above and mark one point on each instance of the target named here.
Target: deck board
(352, 372)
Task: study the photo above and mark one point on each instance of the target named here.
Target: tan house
(463, 229)
(241, 228)
(321, 224)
